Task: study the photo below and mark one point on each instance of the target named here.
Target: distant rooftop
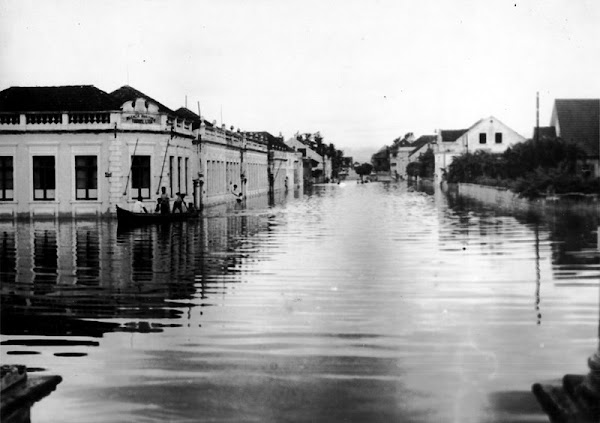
(72, 98)
(271, 140)
(185, 113)
(127, 93)
(579, 121)
(421, 141)
(451, 135)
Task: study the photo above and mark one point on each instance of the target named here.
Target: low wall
(495, 195)
(505, 198)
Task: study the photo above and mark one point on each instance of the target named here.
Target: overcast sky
(360, 72)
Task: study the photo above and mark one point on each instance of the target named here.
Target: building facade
(317, 168)
(77, 150)
(487, 134)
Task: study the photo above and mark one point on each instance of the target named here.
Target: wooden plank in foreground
(25, 393)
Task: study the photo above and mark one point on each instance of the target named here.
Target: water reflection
(66, 271)
(353, 303)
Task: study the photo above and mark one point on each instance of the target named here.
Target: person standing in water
(236, 193)
(164, 201)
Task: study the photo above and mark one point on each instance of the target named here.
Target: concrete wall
(491, 195)
(506, 199)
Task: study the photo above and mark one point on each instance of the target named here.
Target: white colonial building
(487, 134)
(77, 150)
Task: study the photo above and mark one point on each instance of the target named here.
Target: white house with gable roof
(488, 134)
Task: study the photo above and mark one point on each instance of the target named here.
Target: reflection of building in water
(68, 270)
(87, 254)
(8, 244)
(45, 259)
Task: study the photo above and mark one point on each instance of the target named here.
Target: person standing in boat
(164, 201)
(178, 204)
(138, 206)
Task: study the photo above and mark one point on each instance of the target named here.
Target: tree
(424, 165)
(363, 169)
(413, 169)
(381, 159)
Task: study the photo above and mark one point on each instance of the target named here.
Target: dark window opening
(44, 179)
(6, 178)
(140, 176)
(498, 137)
(86, 177)
(482, 138)
(171, 175)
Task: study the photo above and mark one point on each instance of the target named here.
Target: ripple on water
(358, 303)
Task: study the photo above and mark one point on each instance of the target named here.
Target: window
(140, 176)
(482, 138)
(178, 174)
(6, 178)
(171, 174)
(498, 137)
(44, 180)
(86, 177)
(187, 163)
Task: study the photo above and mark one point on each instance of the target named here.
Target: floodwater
(350, 303)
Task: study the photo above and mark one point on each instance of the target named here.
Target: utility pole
(537, 116)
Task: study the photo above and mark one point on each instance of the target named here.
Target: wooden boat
(129, 219)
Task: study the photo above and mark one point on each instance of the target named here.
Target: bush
(530, 169)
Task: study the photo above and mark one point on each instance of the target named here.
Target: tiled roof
(451, 135)
(579, 121)
(127, 93)
(185, 113)
(68, 98)
(421, 141)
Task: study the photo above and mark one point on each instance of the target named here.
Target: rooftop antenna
(186, 101)
(221, 115)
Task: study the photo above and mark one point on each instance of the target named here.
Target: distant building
(381, 160)
(578, 120)
(285, 164)
(487, 134)
(317, 167)
(407, 151)
(399, 152)
(347, 171)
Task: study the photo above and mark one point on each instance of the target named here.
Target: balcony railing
(9, 119)
(43, 118)
(89, 118)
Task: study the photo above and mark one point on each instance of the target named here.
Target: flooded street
(349, 303)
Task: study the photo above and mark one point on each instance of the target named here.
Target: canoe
(127, 218)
